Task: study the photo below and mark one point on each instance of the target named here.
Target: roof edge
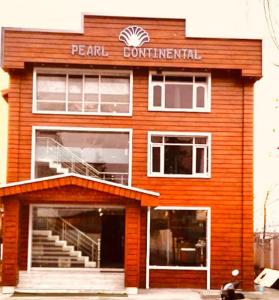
(13, 184)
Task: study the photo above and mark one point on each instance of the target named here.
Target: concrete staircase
(75, 281)
(51, 252)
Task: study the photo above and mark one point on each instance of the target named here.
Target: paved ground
(152, 294)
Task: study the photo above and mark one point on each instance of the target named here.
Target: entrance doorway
(112, 246)
(77, 237)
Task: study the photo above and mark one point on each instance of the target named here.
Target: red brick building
(130, 158)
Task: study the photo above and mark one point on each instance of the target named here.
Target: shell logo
(134, 36)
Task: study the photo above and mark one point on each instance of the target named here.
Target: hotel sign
(134, 37)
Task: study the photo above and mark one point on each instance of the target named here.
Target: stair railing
(64, 157)
(69, 160)
(75, 237)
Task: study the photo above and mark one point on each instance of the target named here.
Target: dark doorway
(112, 237)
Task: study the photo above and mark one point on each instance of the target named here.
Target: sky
(204, 18)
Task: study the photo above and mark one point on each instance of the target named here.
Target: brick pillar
(10, 242)
(132, 246)
(23, 236)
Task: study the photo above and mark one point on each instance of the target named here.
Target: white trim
(162, 108)
(79, 205)
(208, 250)
(82, 177)
(33, 152)
(73, 71)
(147, 248)
(115, 270)
(30, 238)
(182, 208)
(178, 133)
(55, 128)
(177, 268)
(207, 268)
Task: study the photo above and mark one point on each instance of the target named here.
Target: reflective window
(103, 154)
(178, 237)
(90, 92)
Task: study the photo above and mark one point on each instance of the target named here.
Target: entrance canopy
(146, 198)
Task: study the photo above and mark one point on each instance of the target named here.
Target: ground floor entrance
(76, 236)
(71, 228)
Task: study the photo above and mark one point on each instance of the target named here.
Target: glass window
(178, 96)
(181, 155)
(157, 95)
(178, 237)
(179, 92)
(102, 154)
(156, 159)
(178, 159)
(96, 234)
(95, 92)
(51, 87)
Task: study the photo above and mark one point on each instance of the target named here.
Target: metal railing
(67, 160)
(75, 237)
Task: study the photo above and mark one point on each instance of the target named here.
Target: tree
(271, 10)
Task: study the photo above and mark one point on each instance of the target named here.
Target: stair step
(41, 232)
(49, 251)
(86, 280)
(56, 265)
(53, 259)
(51, 254)
(48, 246)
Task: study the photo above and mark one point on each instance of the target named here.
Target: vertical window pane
(51, 87)
(178, 159)
(75, 88)
(157, 95)
(200, 96)
(115, 94)
(91, 88)
(178, 237)
(91, 93)
(178, 96)
(156, 159)
(200, 160)
(75, 93)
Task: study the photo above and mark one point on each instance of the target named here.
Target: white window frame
(208, 244)
(55, 128)
(207, 85)
(186, 134)
(67, 72)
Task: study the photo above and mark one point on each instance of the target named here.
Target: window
(97, 233)
(179, 92)
(178, 237)
(179, 154)
(102, 154)
(82, 92)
